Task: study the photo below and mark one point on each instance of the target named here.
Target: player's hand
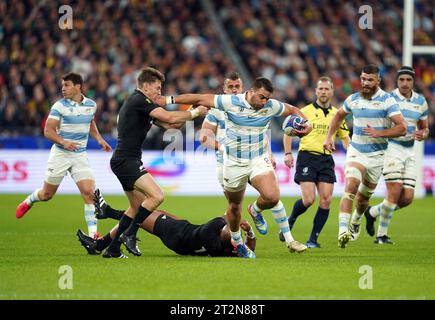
(288, 160)
(371, 132)
(244, 225)
(202, 110)
(307, 127)
(70, 145)
(329, 145)
(104, 145)
(420, 135)
(272, 161)
(159, 100)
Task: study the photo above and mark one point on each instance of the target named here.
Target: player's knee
(271, 199)
(235, 208)
(364, 192)
(405, 201)
(325, 201)
(158, 198)
(348, 196)
(308, 200)
(88, 194)
(361, 205)
(362, 198)
(353, 173)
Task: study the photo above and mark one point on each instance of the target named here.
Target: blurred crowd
(292, 43)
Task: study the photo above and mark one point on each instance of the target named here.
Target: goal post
(409, 49)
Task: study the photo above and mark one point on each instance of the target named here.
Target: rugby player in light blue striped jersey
(247, 118)
(399, 171)
(69, 124)
(376, 117)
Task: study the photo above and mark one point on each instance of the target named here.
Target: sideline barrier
(190, 173)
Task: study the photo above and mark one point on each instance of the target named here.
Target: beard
(324, 101)
(368, 94)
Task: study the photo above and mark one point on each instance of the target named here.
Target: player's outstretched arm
(175, 117)
(189, 98)
(167, 125)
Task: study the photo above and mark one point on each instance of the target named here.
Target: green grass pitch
(34, 248)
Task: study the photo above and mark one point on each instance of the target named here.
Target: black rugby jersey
(189, 239)
(134, 121)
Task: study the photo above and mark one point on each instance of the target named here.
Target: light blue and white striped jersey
(217, 119)
(413, 110)
(246, 127)
(75, 120)
(377, 113)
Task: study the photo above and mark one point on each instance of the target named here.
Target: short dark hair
(370, 69)
(149, 75)
(262, 82)
(75, 78)
(232, 75)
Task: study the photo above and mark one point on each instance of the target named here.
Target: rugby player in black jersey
(134, 120)
(212, 238)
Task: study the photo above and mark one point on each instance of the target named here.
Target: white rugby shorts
(236, 174)
(373, 163)
(60, 162)
(399, 165)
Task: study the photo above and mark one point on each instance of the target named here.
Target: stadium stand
(292, 43)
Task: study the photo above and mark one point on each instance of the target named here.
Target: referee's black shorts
(127, 170)
(314, 168)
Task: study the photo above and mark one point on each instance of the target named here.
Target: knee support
(365, 191)
(348, 196)
(352, 172)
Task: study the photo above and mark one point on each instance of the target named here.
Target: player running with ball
(247, 118)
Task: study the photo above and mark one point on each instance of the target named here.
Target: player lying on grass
(212, 238)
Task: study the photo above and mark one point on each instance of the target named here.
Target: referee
(134, 120)
(315, 166)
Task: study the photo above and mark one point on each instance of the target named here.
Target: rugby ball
(292, 123)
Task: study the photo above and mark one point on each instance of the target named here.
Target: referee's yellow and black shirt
(320, 118)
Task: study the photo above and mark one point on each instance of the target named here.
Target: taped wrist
(170, 100)
(194, 113)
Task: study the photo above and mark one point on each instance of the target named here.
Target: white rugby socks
(91, 220)
(33, 197)
(280, 217)
(343, 222)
